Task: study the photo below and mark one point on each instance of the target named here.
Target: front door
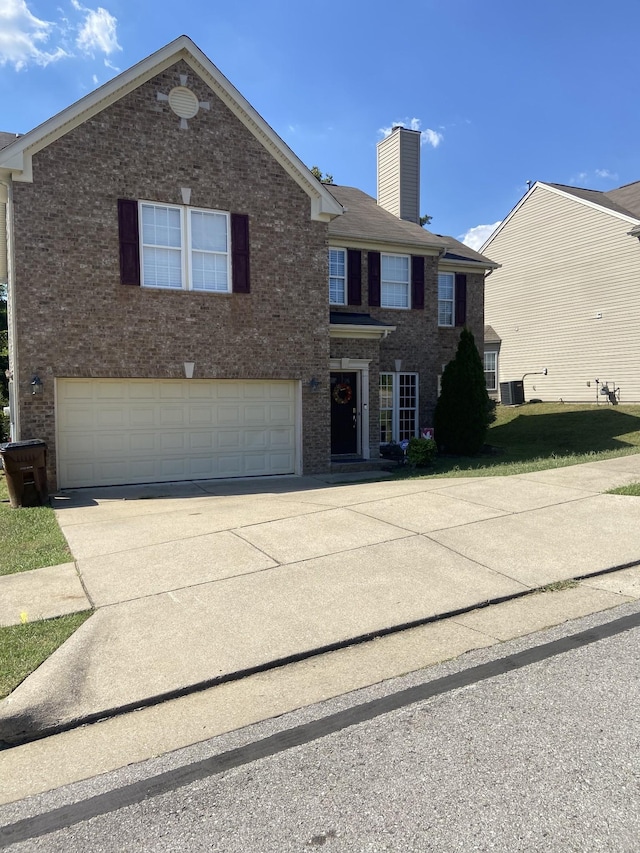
(344, 413)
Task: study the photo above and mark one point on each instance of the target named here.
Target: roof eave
(348, 330)
(16, 157)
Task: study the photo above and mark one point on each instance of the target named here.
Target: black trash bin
(25, 466)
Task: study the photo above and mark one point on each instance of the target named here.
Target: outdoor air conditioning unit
(512, 393)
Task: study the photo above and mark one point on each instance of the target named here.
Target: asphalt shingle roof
(7, 138)
(625, 199)
(364, 219)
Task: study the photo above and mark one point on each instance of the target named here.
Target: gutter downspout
(14, 417)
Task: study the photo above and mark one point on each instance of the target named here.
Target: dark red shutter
(374, 279)
(417, 282)
(461, 299)
(240, 253)
(354, 277)
(129, 241)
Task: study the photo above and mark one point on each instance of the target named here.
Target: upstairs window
(337, 276)
(446, 291)
(394, 281)
(184, 248)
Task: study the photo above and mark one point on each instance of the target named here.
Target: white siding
(566, 298)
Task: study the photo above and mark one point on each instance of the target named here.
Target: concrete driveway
(194, 583)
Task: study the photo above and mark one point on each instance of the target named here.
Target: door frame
(359, 366)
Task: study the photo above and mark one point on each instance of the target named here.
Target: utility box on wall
(512, 393)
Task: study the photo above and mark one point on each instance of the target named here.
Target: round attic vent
(183, 102)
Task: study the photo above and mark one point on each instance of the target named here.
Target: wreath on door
(342, 393)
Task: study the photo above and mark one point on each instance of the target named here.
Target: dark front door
(344, 413)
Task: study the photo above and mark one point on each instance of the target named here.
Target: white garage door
(116, 431)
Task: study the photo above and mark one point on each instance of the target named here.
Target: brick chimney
(399, 173)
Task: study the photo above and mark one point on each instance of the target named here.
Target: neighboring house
(566, 296)
(173, 314)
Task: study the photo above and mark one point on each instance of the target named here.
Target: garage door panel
(184, 429)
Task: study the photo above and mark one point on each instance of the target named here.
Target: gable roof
(15, 158)
(6, 138)
(623, 202)
(365, 221)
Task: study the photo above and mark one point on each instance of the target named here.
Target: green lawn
(24, 647)
(29, 537)
(537, 436)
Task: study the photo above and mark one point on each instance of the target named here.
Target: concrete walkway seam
(198, 687)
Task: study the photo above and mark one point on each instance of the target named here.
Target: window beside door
(398, 406)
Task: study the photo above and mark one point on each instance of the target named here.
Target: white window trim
(395, 402)
(494, 370)
(344, 254)
(186, 251)
(452, 300)
(382, 282)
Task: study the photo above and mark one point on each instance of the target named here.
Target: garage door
(116, 431)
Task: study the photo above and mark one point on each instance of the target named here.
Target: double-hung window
(184, 248)
(394, 281)
(398, 406)
(446, 293)
(491, 370)
(337, 276)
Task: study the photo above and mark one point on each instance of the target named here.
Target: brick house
(169, 292)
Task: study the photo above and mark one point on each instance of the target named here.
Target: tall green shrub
(463, 409)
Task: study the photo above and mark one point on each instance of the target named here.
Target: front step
(348, 465)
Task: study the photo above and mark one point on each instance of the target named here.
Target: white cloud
(427, 137)
(476, 237)
(586, 179)
(98, 32)
(23, 37)
(28, 40)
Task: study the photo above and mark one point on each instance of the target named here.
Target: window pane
(161, 226)
(208, 231)
(209, 271)
(407, 405)
(386, 408)
(490, 370)
(385, 427)
(394, 284)
(445, 298)
(337, 276)
(162, 268)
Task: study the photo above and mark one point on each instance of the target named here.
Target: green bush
(463, 411)
(421, 452)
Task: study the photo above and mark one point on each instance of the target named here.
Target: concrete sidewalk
(204, 582)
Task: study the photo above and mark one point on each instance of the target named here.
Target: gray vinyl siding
(563, 264)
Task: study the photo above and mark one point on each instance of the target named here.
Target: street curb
(35, 732)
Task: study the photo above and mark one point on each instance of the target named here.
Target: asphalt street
(530, 745)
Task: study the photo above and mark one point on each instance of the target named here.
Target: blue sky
(504, 91)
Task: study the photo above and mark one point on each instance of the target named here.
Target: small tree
(324, 179)
(463, 410)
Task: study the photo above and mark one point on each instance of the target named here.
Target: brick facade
(418, 342)
(75, 319)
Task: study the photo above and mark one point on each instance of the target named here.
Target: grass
(29, 537)
(24, 647)
(538, 436)
(631, 489)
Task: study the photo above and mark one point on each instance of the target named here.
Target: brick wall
(421, 345)
(74, 317)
